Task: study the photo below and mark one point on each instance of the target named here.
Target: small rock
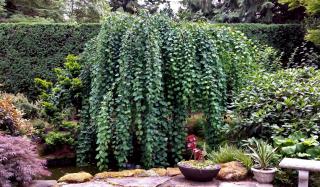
(116, 174)
(76, 177)
(43, 183)
(232, 171)
(148, 173)
(137, 172)
(160, 171)
(173, 172)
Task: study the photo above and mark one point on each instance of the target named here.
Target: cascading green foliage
(144, 75)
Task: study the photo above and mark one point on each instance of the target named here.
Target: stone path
(177, 181)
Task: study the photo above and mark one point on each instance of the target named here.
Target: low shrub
(70, 126)
(40, 127)
(306, 55)
(270, 58)
(298, 145)
(19, 162)
(55, 139)
(30, 109)
(11, 118)
(278, 104)
(228, 153)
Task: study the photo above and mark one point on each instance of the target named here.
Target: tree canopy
(235, 11)
(69, 10)
(313, 9)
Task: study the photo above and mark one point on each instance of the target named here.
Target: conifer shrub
(19, 162)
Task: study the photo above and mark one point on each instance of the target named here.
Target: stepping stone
(138, 181)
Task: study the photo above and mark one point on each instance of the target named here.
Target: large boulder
(232, 171)
(76, 177)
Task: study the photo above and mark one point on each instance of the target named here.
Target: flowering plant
(197, 153)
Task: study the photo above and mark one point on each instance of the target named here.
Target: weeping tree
(143, 75)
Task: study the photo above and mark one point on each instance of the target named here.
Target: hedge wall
(32, 50)
(284, 37)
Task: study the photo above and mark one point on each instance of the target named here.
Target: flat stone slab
(177, 181)
(43, 183)
(138, 181)
(89, 184)
(300, 164)
(244, 184)
(180, 181)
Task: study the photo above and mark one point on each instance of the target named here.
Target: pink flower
(191, 138)
(197, 153)
(191, 145)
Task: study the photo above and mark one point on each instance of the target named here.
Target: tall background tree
(53, 10)
(235, 11)
(313, 9)
(71, 10)
(133, 6)
(18, 10)
(86, 10)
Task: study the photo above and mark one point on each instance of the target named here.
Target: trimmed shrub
(19, 161)
(28, 51)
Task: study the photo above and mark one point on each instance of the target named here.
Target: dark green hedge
(284, 37)
(32, 50)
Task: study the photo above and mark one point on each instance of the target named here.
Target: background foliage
(28, 51)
